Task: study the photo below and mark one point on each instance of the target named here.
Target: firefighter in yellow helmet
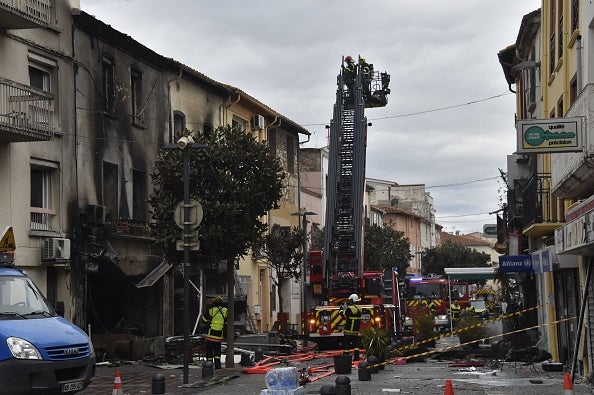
(351, 311)
(216, 320)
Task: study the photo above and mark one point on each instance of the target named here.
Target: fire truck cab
(325, 323)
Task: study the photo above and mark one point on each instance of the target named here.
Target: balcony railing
(536, 197)
(25, 14)
(129, 227)
(42, 218)
(26, 113)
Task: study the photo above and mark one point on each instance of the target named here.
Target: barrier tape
(398, 359)
(460, 330)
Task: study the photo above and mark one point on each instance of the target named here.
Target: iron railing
(26, 112)
(42, 219)
(38, 11)
(536, 197)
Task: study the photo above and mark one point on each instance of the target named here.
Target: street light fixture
(303, 268)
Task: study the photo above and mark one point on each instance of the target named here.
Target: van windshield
(20, 296)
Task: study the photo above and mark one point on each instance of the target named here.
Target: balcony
(572, 172)
(537, 202)
(26, 113)
(25, 14)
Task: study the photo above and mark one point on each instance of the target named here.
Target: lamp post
(304, 267)
(188, 223)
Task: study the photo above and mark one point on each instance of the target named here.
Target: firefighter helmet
(348, 59)
(354, 298)
(217, 299)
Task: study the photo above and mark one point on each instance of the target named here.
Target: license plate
(75, 386)
(365, 316)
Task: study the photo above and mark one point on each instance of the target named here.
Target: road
(426, 378)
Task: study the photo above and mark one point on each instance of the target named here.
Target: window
(41, 202)
(560, 108)
(109, 85)
(39, 77)
(179, 123)
(575, 7)
(39, 111)
(110, 190)
(572, 90)
(560, 34)
(139, 195)
(136, 93)
(237, 122)
(552, 39)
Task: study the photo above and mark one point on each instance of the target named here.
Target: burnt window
(110, 189)
(108, 84)
(136, 88)
(139, 195)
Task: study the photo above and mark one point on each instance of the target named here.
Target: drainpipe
(169, 103)
(579, 65)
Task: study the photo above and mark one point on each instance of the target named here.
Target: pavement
(426, 378)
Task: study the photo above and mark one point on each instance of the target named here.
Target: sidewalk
(425, 378)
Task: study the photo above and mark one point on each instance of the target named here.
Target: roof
(125, 43)
(396, 210)
(465, 240)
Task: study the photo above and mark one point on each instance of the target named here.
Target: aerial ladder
(343, 239)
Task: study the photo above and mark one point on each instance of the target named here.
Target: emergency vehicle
(338, 270)
(420, 291)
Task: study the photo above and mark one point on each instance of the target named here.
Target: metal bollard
(364, 372)
(343, 385)
(327, 390)
(373, 362)
(207, 369)
(259, 354)
(158, 384)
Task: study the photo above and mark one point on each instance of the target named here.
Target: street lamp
(185, 143)
(304, 267)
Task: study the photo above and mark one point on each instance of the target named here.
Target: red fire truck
(421, 290)
(339, 271)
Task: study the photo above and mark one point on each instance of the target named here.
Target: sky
(449, 122)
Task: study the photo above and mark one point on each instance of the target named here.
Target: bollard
(364, 371)
(373, 362)
(327, 390)
(245, 359)
(158, 384)
(207, 369)
(259, 354)
(343, 385)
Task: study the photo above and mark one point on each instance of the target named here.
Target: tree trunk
(230, 361)
(279, 318)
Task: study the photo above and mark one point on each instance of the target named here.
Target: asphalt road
(426, 378)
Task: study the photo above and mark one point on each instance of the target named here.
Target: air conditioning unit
(56, 248)
(258, 122)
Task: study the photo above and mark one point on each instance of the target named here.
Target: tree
(237, 181)
(284, 253)
(386, 248)
(451, 254)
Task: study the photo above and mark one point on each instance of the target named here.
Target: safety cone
(449, 388)
(117, 384)
(567, 385)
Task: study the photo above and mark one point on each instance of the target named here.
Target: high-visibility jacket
(352, 313)
(216, 318)
(455, 310)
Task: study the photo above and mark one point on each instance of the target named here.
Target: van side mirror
(60, 308)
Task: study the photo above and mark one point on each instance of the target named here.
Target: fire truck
(420, 291)
(338, 271)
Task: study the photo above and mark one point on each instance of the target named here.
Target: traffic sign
(195, 217)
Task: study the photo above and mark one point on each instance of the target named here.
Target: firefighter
(350, 70)
(470, 310)
(428, 302)
(216, 320)
(455, 310)
(351, 311)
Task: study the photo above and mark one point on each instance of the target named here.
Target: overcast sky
(449, 122)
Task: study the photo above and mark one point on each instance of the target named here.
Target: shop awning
(470, 273)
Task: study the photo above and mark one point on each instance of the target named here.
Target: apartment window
(575, 7)
(136, 93)
(553, 38)
(560, 108)
(139, 195)
(109, 84)
(560, 34)
(39, 77)
(41, 202)
(237, 122)
(179, 123)
(290, 154)
(110, 189)
(572, 91)
(40, 111)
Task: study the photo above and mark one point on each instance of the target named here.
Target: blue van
(40, 351)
